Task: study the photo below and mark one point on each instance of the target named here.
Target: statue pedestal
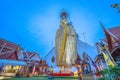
(65, 69)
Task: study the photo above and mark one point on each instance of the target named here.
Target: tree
(116, 6)
(112, 73)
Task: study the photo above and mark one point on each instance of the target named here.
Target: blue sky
(33, 23)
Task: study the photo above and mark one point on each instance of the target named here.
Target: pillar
(33, 71)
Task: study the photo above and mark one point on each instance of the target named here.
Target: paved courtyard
(46, 78)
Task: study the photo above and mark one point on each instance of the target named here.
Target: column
(33, 69)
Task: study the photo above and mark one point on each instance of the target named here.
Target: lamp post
(51, 74)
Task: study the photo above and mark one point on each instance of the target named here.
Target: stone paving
(46, 78)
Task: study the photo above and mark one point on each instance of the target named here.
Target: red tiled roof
(11, 47)
(43, 63)
(30, 53)
(10, 56)
(115, 31)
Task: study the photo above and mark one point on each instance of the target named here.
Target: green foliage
(112, 73)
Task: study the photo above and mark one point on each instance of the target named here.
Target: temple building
(32, 60)
(9, 62)
(115, 44)
(112, 40)
(14, 59)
